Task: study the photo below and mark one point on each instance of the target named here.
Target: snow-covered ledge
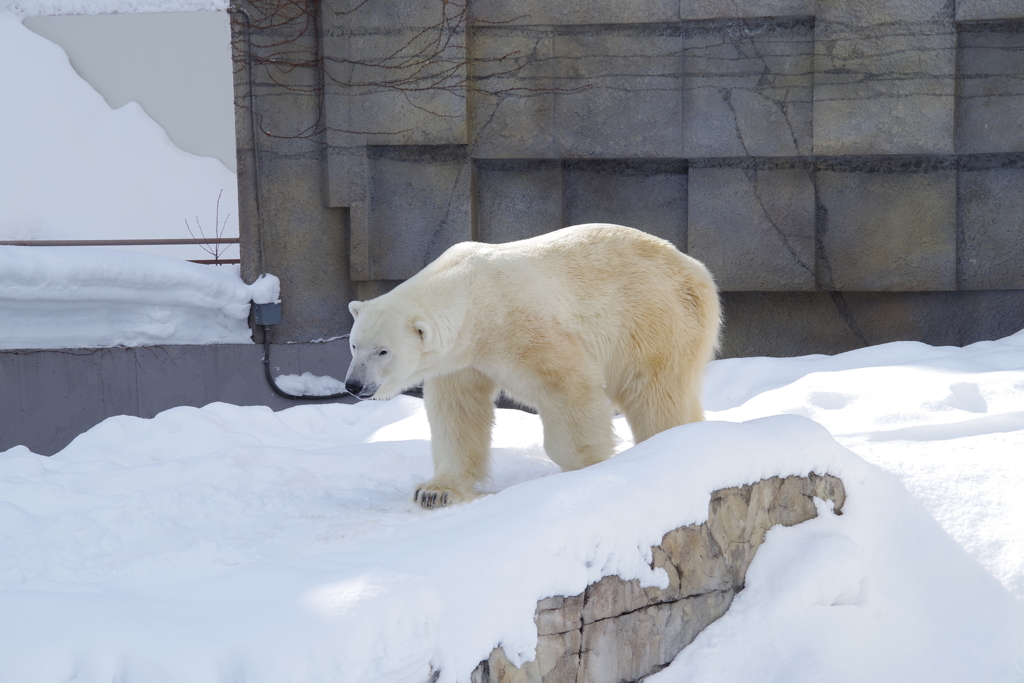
(618, 630)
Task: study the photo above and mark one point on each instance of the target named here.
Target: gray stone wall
(617, 631)
(851, 173)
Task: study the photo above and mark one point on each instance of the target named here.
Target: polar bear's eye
(382, 352)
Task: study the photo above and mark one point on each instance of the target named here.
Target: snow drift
(228, 543)
(70, 297)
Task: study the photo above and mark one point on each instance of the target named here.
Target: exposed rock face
(617, 631)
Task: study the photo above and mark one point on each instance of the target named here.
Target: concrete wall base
(51, 396)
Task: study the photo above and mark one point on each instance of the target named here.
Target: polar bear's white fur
(571, 323)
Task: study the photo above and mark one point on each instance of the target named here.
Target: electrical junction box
(267, 314)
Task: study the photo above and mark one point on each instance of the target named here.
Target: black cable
(414, 391)
(281, 392)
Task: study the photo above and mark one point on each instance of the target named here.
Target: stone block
(992, 227)
(973, 10)
(419, 206)
(698, 560)
(754, 227)
(517, 199)
(556, 661)
(990, 98)
(511, 99)
(794, 498)
(738, 519)
(887, 225)
(632, 645)
(612, 596)
(647, 194)
(534, 12)
(747, 87)
(884, 77)
(559, 615)
(617, 91)
(827, 487)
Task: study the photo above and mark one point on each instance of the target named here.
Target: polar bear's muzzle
(360, 390)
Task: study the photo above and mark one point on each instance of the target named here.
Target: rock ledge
(616, 631)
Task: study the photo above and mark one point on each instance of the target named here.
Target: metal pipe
(117, 243)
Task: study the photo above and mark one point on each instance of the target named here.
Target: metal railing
(130, 243)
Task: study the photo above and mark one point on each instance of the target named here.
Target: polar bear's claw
(434, 498)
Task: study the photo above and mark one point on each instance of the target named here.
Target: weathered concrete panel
(676, 119)
(534, 12)
(395, 73)
(991, 254)
(511, 100)
(747, 87)
(649, 195)
(284, 225)
(885, 226)
(972, 10)
(786, 324)
(798, 323)
(990, 99)
(754, 227)
(517, 199)
(419, 206)
(884, 77)
(50, 397)
(618, 91)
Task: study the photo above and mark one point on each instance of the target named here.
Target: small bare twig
(213, 250)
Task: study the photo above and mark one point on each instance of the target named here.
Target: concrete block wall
(852, 173)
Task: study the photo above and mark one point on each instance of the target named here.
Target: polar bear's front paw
(431, 495)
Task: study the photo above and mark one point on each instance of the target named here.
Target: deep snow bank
(230, 543)
(948, 421)
(62, 297)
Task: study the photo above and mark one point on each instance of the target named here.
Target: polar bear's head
(388, 347)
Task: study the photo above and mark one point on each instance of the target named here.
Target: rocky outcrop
(618, 631)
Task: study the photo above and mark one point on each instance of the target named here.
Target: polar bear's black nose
(353, 387)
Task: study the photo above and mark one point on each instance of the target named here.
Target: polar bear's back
(618, 290)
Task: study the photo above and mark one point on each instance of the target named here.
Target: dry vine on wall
(278, 39)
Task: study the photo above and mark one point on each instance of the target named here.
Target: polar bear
(573, 323)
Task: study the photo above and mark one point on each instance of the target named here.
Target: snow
(86, 171)
(61, 297)
(233, 543)
(308, 384)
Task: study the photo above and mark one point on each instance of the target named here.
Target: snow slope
(229, 543)
(73, 297)
(948, 421)
(73, 168)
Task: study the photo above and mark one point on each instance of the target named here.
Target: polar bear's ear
(426, 332)
(354, 307)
